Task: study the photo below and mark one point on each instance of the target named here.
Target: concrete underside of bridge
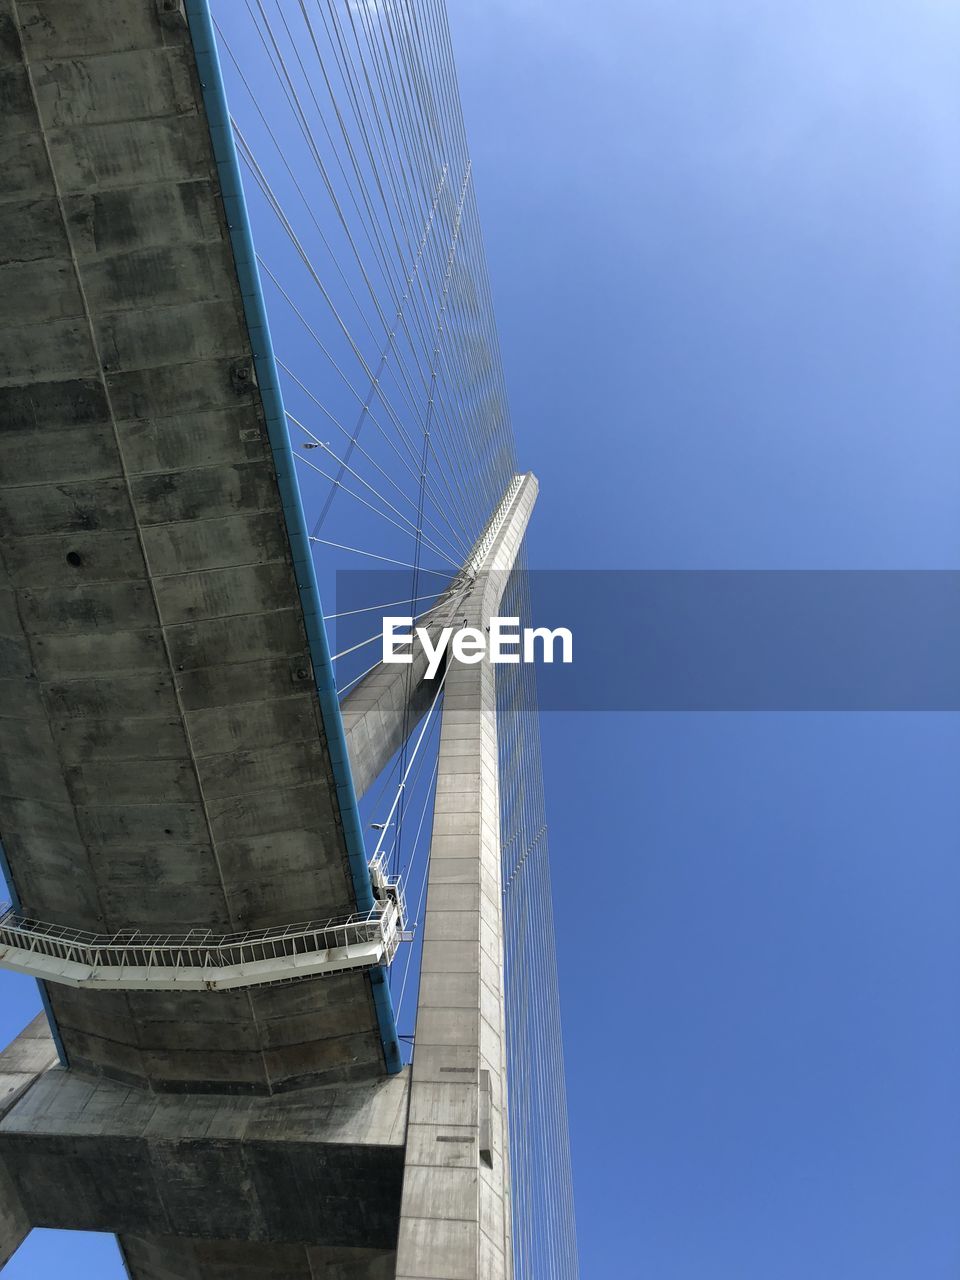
(163, 761)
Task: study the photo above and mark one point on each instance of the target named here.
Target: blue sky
(724, 248)
(723, 245)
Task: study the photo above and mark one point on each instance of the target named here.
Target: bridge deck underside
(163, 762)
(166, 1258)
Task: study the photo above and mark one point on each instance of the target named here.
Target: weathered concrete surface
(162, 757)
(173, 1259)
(394, 698)
(14, 1223)
(21, 1064)
(391, 700)
(320, 1168)
(374, 714)
(455, 1213)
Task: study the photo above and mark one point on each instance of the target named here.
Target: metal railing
(200, 958)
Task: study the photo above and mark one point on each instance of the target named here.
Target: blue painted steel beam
(238, 222)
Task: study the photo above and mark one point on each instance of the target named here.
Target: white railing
(202, 960)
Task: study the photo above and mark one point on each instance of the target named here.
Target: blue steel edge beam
(241, 238)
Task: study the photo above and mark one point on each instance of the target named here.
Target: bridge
(247, 345)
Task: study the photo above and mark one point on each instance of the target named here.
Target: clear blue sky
(724, 245)
(724, 241)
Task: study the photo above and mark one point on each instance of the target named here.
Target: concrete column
(393, 697)
(21, 1063)
(297, 1186)
(374, 713)
(14, 1226)
(455, 1208)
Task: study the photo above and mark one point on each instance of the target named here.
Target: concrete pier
(455, 1213)
(21, 1065)
(205, 1176)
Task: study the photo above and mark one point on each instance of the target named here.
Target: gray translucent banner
(668, 640)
